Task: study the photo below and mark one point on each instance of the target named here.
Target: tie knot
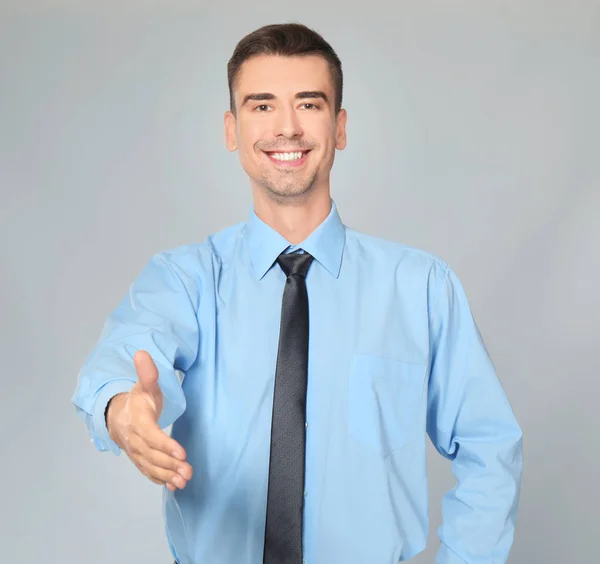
(295, 263)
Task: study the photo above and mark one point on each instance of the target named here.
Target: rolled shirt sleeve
(471, 423)
(157, 315)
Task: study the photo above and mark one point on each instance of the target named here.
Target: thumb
(147, 375)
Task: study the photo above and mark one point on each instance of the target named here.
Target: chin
(283, 194)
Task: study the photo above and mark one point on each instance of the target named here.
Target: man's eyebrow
(312, 94)
(260, 96)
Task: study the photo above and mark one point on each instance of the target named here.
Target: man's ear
(340, 130)
(230, 136)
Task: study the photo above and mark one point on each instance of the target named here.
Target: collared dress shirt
(395, 357)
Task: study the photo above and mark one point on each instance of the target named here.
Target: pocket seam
(357, 378)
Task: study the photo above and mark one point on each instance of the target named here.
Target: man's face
(286, 129)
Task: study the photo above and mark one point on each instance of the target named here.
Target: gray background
(472, 133)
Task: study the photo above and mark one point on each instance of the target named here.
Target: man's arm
(471, 423)
(159, 316)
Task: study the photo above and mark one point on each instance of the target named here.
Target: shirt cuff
(446, 556)
(101, 438)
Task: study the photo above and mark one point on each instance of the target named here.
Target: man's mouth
(287, 158)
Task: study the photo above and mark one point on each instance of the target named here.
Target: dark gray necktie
(285, 499)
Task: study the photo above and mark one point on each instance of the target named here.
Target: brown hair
(284, 39)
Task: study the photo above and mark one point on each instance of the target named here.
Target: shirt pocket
(384, 399)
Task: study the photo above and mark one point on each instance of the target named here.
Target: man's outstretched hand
(132, 421)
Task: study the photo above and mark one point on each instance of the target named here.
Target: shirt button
(305, 493)
(306, 424)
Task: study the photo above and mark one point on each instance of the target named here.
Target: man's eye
(311, 106)
(262, 108)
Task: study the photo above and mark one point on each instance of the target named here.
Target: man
(316, 359)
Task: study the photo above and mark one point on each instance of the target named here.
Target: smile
(288, 158)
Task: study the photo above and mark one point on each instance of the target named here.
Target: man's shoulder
(214, 247)
(394, 253)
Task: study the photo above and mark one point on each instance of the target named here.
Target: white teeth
(287, 156)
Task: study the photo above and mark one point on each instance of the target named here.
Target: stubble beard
(287, 188)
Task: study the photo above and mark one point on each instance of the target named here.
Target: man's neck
(294, 221)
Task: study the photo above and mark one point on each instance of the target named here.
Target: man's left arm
(471, 423)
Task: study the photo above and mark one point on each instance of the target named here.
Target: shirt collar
(325, 243)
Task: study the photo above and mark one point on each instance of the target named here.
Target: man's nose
(287, 124)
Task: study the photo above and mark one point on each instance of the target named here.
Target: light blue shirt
(394, 355)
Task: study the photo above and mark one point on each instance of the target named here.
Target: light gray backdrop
(472, 133)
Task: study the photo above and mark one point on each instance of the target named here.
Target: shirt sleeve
(471, 423)
(157, 315)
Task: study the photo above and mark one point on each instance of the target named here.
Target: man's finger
(157, 439)
(162, 460)
(160, 475)
(147, 373)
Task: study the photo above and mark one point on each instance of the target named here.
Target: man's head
(285, 85)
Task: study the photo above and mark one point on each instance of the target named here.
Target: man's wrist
(108, 412)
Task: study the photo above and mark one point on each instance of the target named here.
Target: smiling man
(316, 360)
(286, 122)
